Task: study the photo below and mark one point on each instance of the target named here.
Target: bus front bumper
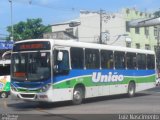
(44, 96)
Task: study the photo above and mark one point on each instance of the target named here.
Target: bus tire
(78, 94)
(131, 89)
(4, 95)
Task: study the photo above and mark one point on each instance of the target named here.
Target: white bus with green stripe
(48, 70)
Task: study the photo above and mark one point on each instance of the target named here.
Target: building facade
(142, 37)
(114, 29)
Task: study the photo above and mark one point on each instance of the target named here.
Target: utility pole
(103, 17)
(100, 34)
(11, 21)
(158, 36)
(158, 47)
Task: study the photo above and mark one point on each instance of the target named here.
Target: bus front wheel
(77, 96)
(4, 95)
(131, 89)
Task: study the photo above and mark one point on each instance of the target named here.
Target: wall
(141, 38)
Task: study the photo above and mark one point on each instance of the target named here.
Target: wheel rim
(131, 90)
(3, 95)
(77, 95)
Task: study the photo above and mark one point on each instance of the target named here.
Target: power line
(4, 34)
(50, 6)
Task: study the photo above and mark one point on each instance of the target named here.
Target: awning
(144, 22)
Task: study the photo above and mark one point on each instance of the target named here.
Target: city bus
(49, 70)
(5, 74)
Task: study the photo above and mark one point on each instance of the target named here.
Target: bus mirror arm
(55, 68)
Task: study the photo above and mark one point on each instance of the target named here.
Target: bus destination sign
(31, 46)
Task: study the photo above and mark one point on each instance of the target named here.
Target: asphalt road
(145, 102)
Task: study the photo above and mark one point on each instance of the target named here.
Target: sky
(57, 11)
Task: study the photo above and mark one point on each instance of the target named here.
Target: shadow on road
(112, 97)
(35, 105)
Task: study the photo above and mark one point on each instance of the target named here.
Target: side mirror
(60, 56)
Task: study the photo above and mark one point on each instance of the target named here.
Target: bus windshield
(33, 66)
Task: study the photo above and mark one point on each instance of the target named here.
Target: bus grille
(28, 95)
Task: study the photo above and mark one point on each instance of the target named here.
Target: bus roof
(74, 43)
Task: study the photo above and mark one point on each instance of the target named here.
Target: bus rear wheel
(131, 89)
(4, 95)
(78, 94)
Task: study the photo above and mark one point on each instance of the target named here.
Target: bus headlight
(45, 88)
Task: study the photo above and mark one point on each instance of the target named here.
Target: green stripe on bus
(87, 81)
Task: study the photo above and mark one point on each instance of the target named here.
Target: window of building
(155, 31)
(127, 26)
(138, 46)
(131, 60)
(107, 59)
(147, 47)
(69, 31)
(92, 58)
(77, 58)
(150, 62)
(119, 58)
(128, 44)
(141, 60)
(146, 31)
(137, 30)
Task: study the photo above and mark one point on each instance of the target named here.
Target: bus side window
(107, 59)
(63, 65)
(5, 70)
(92, 58)
(131, 61)
(110, 63)
(150, 62)
(141, 60)
(119, 58)
(77, 58)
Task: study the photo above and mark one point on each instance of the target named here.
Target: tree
(31, 29)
